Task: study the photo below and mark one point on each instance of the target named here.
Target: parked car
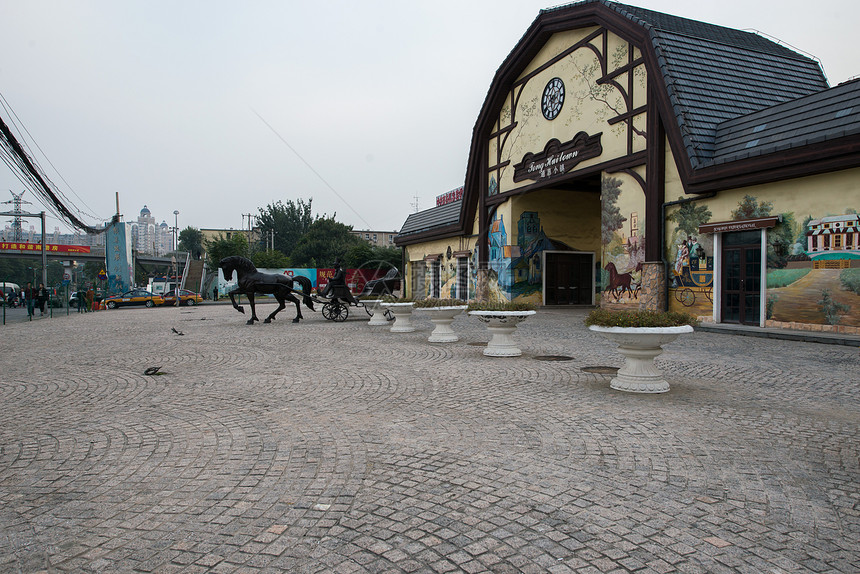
(186, 297)
(134, 297)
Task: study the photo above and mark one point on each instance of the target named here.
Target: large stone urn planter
(640, 346)
(402, 317)
(442, 317)
(377, 317)
(501, 325)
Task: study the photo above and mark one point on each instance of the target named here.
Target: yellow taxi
(186, 297)
(133, 297)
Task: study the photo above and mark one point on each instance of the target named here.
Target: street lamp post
(176, 230)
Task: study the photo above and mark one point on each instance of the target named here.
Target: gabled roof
(826, 115)
(429, 219)
(713, 73)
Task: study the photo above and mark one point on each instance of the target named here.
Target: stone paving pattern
(340, 447)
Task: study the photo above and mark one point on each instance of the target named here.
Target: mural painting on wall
(516, 271)
(813, 266)
(813, 269)
(623, 254)
(691, 281)
(449, 273)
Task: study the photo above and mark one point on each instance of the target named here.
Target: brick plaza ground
(341, 447)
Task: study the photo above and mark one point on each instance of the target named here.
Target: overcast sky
(218, 108)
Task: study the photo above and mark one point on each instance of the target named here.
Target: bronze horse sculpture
(250, 281)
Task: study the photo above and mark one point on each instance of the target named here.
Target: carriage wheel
(328, 311)
(685, 296)
(367, 310)
(340, 313)
(335, 311)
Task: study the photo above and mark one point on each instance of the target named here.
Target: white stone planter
(442, 317)
(402, 317)
(377, 317)
(502, 325)
(640, 346)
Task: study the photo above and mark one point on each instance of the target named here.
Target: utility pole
(17, 202)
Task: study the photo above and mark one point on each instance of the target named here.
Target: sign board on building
(449, 197)
(49, 247)
(558, 159)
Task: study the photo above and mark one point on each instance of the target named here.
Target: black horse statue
(251, 281)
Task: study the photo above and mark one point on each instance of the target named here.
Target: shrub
(501, 306)
(607, 318)
(393, 299)
(833, 310)
(850, 279)
(433, 302)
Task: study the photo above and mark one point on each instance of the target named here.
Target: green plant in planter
(608, 318)
(433, 302)
(393, 299)
(501, 306)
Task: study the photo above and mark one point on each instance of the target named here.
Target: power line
(17, 158)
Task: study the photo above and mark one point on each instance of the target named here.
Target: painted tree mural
(750, 208)
(611, 217)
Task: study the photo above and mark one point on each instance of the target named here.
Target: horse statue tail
(306, 288)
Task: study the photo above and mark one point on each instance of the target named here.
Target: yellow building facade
(629, 158)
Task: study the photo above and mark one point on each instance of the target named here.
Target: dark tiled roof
(432, 218)
(822, 116)
(713, 73)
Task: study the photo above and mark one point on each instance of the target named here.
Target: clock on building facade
(553, 98)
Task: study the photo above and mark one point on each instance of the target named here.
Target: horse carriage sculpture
(336, 298)
(694, 279)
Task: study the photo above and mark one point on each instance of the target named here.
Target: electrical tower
(17, 201)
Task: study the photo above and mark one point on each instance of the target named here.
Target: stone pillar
(653, 295)
(483, 284)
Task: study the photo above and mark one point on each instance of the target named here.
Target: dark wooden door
(568, 279)
(741, 278)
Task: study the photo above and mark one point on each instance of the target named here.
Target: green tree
(611, 216)
(221, 247)
(325, 241)
(750, 208)
(271, 259)
(289, 221)
(690, 216)
(191, 241)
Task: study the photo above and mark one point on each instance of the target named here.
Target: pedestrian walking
(215, 293)
(30, 297)
(42, 298)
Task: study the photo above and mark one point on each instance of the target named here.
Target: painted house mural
(591, 179)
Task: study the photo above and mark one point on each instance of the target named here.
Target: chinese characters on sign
(49, 247)
(558, 158)
(450, 197)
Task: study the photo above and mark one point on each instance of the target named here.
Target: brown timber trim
(460, 254)
(432, 257)
(434, 233)
(613, 165)
(739, 225)
(655, 182)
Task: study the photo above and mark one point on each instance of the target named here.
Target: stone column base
(653, 294)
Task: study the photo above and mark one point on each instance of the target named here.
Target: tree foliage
(611, 215)
(364, 255)
(191, 240)
(270, 259)
(750, 208)
(325, 241)
(289, 221)
(221, 247)
(690, 216)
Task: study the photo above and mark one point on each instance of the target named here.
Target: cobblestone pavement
(341, 447)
